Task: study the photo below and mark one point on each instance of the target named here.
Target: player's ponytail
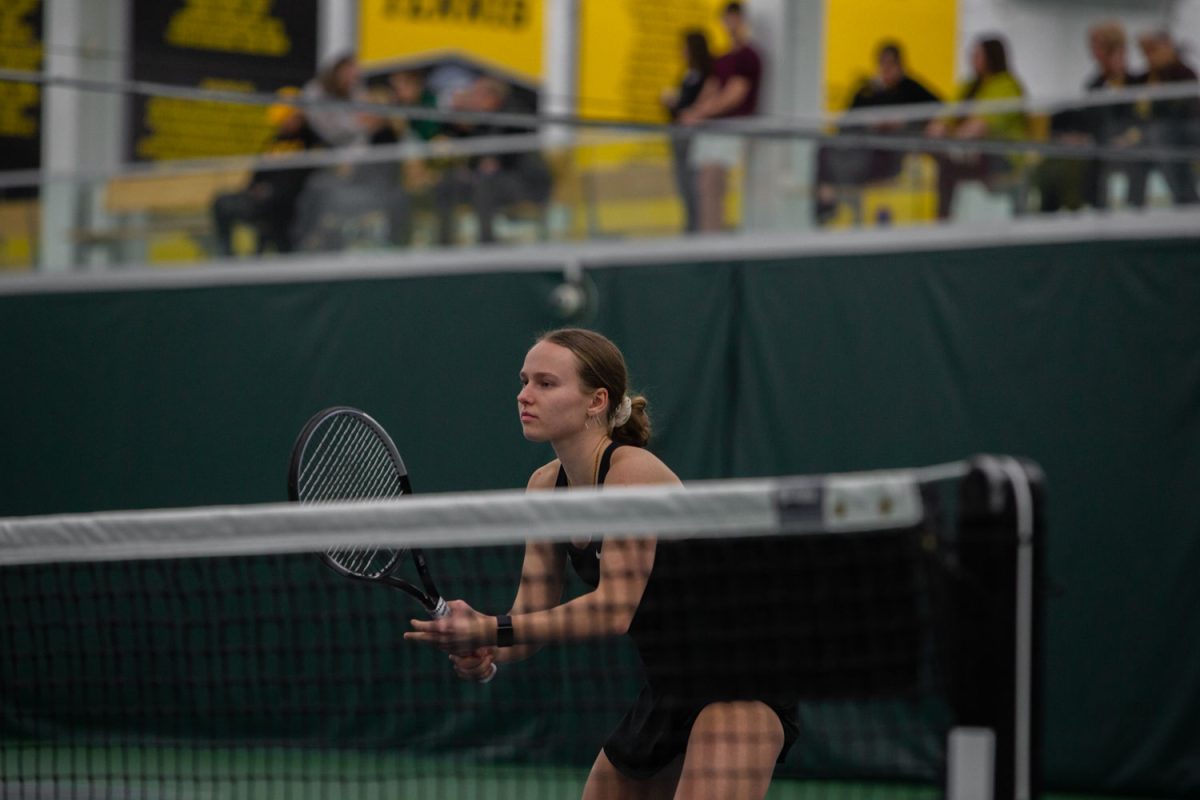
(633, 428)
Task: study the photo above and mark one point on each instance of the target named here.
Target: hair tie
(623, 412)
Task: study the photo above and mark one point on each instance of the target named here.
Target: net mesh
(869, 631)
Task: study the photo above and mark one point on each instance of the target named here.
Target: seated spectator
(412, 90)
(487, 182)
(992, 80)
(269, 200)
(1071, 183)
(341, 82)
(363, 203)
(448, 79)
(1166, 123)
(836, 166)
(699, 66)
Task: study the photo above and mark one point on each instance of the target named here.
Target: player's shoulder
(637, 465)
(544, 477)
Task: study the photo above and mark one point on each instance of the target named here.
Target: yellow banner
(854, 29)
(504, 35)
(631, 51)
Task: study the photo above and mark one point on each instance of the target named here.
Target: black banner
(20, 103)
(228, 45)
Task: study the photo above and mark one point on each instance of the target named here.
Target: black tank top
(586, 560)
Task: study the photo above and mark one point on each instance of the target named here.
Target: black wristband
(504, 630)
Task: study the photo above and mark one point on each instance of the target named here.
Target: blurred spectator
(731, 91)
(269, 200)
(487, 182)
(992, 80)
(448, 79)
(836, 167)
(1166, 123)
(699, 67)
(1071, 183)
(412, 90)
(362, 203)
(340, 81)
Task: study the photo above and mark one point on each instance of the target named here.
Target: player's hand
(478, 666)
(461, 631)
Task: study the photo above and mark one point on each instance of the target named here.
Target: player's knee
(743, 724)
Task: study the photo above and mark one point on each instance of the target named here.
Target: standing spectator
(731, 91)
(340, 81)
(1166, 123)
(269, 200)
(891, 86)
(487, 182)
(992, 80)
(699, 67)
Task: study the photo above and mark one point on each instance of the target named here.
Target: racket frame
(430, 597)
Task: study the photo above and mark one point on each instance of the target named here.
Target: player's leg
(731, 752)
(606, 782)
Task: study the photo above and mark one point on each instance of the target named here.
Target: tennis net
(889, 620)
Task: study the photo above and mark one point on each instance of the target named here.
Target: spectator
(448, 79)
(487, 182)
(412, 90)
(1166, 123)
(1071, 183)
(269, 200)
(340, 81)
(362, 203)
(891, 86)
(992, 80)
(699, 67)
(731, 91)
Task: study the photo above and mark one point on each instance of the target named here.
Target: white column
(779, 174)
(337, 29)
(81, 131)
(560, 67)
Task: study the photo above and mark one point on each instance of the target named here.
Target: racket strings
(350, 462)
(345, 473)
(328, 452)
(334, 482)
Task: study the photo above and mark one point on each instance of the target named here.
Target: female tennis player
(673, 742)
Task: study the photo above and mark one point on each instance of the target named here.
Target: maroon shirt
(743, 62)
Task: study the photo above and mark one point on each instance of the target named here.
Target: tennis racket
(343, 454)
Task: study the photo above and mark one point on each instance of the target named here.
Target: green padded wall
(1083, 357)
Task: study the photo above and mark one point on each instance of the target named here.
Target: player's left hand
(462, 630)
(478, 666)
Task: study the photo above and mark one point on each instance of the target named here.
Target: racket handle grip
(492, 674)
(440, 610)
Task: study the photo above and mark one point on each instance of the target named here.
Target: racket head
(342, 454)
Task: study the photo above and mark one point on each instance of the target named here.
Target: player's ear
(599, 401)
